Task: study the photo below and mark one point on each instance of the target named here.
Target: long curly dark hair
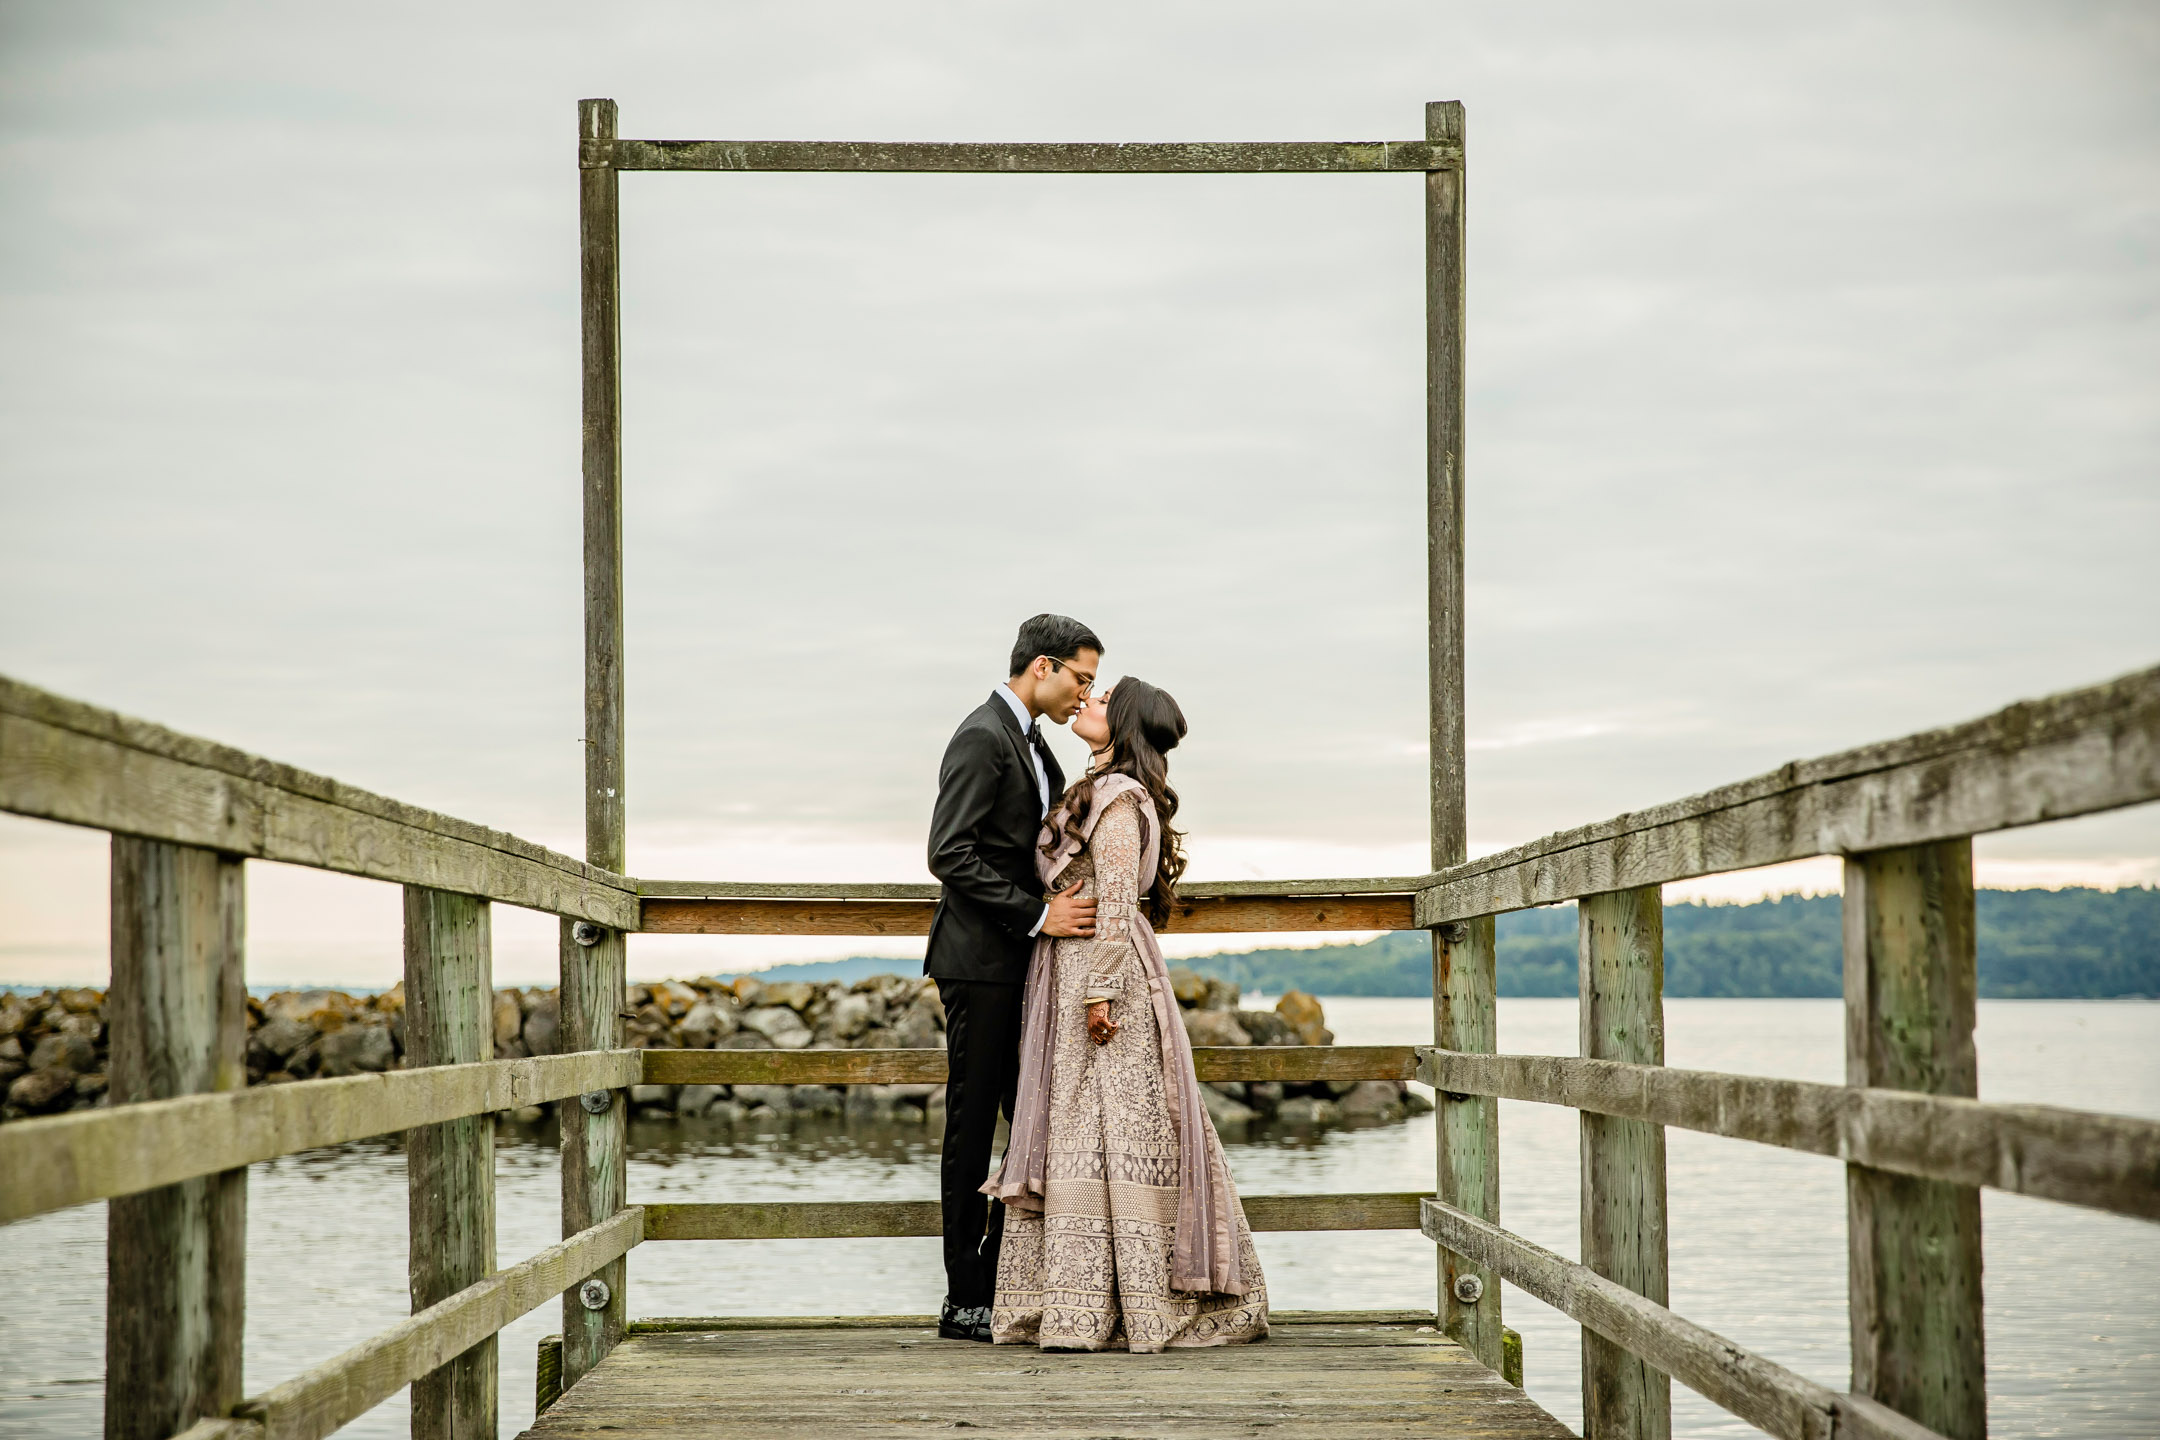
(1145, 724)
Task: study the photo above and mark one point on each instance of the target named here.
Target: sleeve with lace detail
(1115, 848)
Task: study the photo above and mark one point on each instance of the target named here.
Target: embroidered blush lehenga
(1122, 1226)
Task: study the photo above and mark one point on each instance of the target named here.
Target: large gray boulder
(357, 1049)
(778, 1023)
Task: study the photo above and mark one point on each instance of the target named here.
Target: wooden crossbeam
(340, 1390)
(867, 1219)
(1764, 1394)
(2106, 1162)
(2077, 753)
(927, 1067)
(1114, 158)
(63, 760)
(1195, 914)
(63, 1160)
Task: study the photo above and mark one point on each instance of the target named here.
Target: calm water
(1758, 1235)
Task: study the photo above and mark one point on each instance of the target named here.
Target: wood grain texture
(1446, 294)
(1348, 1381)
(222, 1429)
(2075, 753)
(1350, 157)
(77, 764)
(338, 1391)
(927, 1067)
(600, 326)
(860, 1219)
(1621, 1016)
(679, 1324)
(1467, 1138)
(1913, 1273)
(175, 1256)
(450, 1167)
(594, 1165)
(1764, 1394)
(1197, 890)
(1193, 915)
(64, 1160)
(2107, 1162)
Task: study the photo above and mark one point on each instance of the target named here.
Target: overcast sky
(1813, 355)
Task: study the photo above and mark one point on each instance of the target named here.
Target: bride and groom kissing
(1112, 1222)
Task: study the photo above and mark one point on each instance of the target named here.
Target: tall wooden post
(592, 974)
(1468, 1127)
(450, 1020)
(1621, 1016)
(1913, 1278)
(175, 1257)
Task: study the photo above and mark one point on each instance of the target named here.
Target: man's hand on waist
(1070, 916)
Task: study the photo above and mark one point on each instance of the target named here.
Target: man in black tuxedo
(997, 781)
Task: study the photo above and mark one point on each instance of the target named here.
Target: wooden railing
(171, 1153)
(182, 812)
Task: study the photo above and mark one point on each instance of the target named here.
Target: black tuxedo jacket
(982, 849)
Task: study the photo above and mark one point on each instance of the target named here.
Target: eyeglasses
(1087, 681)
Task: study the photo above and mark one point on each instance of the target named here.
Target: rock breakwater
(53, 1046)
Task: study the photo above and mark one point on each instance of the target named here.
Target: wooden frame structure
(183, 813)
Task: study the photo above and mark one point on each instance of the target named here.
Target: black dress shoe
(964, 1322)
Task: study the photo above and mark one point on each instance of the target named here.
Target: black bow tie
(1042, 747)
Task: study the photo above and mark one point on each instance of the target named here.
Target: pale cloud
(1794, 424)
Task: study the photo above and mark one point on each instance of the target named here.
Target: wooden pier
(169, 1156)
(1319, 1376)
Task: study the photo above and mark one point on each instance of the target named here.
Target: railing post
(1467, 1139)
(1621, 1016)
(1467, 1136)
(450, 1020)
(175, 1257)
(592, 974)
(1913, 1283)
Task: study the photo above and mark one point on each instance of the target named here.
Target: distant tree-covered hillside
(2033, 944)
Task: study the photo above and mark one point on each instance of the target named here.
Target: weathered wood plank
(1361, 1380)
(64, 1160)
(334, 1393)
(222, 1429)
(1028, 158)
(1446, 293)
(1198, 889)
(927, 1067)
(1764, 1394)
(1193, 915)
(1467, 1137)
(687, 1324)
(450, 1167)
(2107, 1162)
(1913, 1276)
(861, 1219)
(176, 1256)
(2076, 753)
(66, 761)
(594, 1166)
(1621, 1016)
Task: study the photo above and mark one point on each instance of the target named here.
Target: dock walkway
(1342, 1376)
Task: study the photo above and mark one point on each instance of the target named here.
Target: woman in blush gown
(1122, 1227)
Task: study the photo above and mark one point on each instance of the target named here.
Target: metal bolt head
(1469, 1289)
(586, 933)
(597, 1102)
(594, 1294)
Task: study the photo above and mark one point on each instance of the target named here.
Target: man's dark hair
(1058, 636)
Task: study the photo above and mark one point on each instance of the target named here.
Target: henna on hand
(1101, 1028)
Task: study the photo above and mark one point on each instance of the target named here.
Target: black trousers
(982, 1052)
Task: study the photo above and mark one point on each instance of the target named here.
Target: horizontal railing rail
(1352, 157)
(62, 1160)
(1760, 1392)
(2079, 1157)
(927, 1067)
(1218, 908)
(2077, 753)
(874, 1219)
(340, 1390)
(66, 761)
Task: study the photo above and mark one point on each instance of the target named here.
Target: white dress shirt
(1042, 776)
